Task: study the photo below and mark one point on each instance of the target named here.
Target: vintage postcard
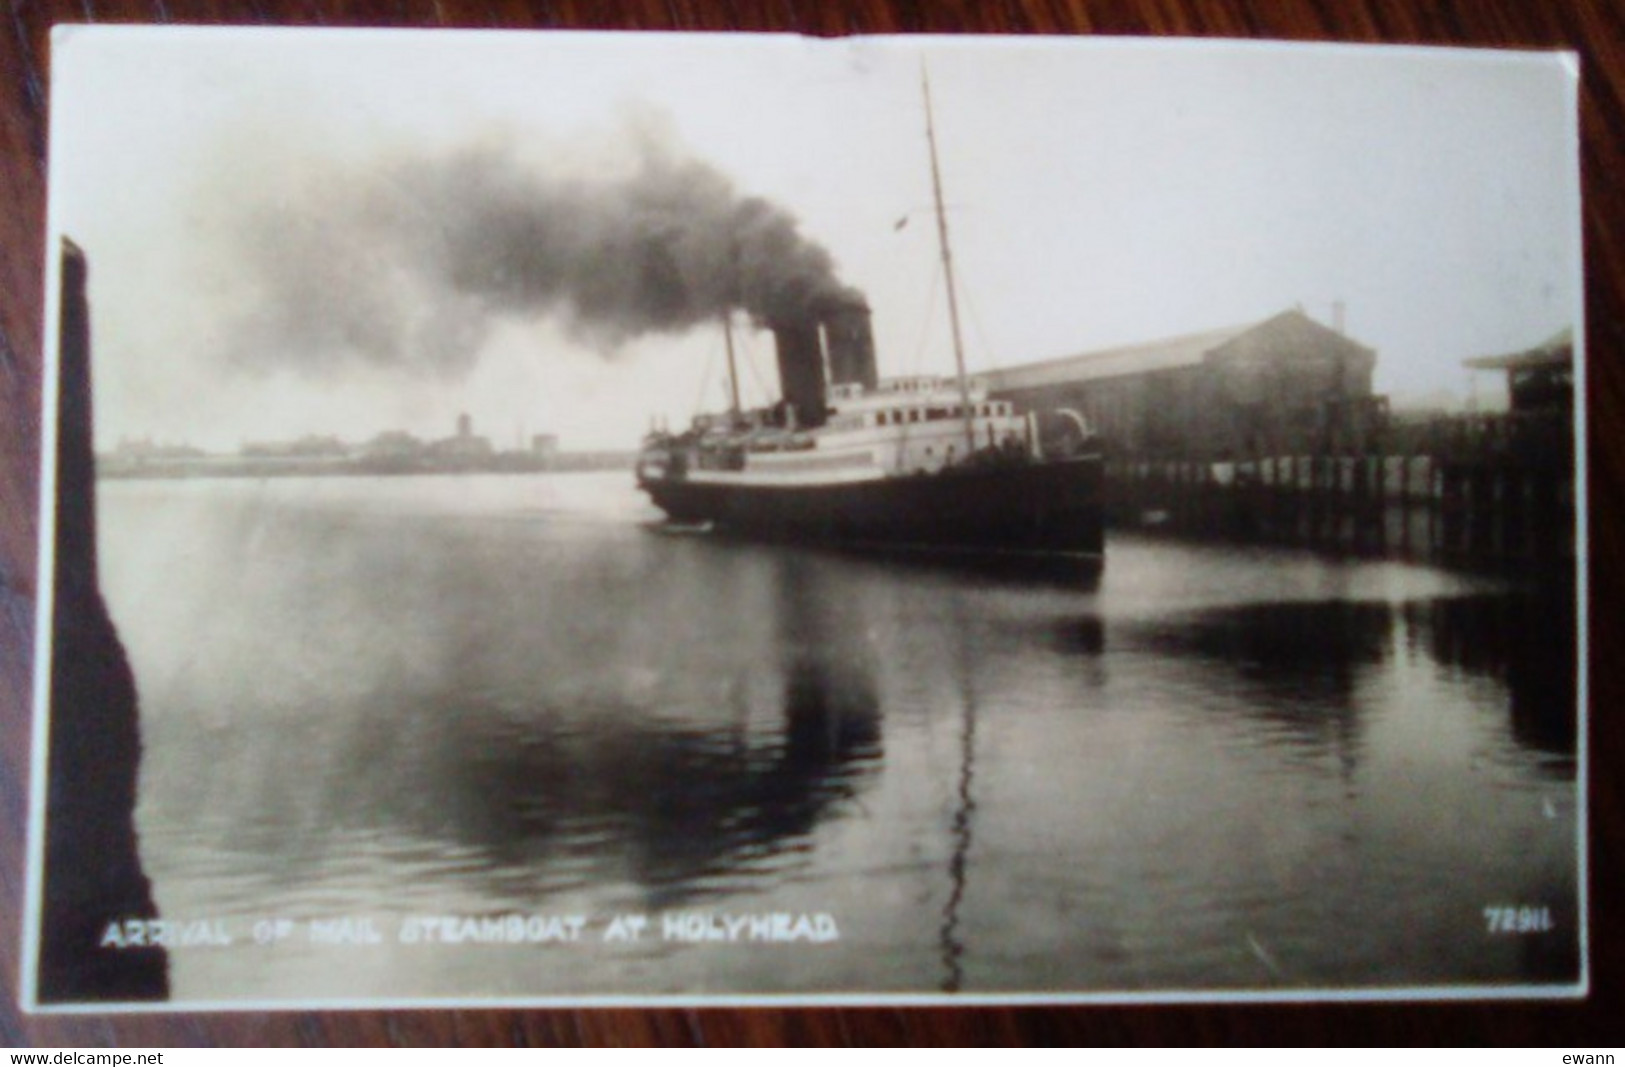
(545, 518)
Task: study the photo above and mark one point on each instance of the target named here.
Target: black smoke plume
(408, 268)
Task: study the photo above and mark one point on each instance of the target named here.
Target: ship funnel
(801, 369)
(849, 340)
(831, 343)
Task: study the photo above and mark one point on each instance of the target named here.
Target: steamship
(915, 464)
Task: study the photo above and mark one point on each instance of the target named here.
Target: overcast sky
(288, 229)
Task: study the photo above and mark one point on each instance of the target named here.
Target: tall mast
(947, 265)
(728, 328)
(733, 370)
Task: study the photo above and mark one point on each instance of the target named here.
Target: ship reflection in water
(387, 700)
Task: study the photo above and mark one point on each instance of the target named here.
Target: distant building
(544, 445)
(310, 446)
(464, 448)
(1285, 384)
(142, 449)
(1540, 379)
(393, 444)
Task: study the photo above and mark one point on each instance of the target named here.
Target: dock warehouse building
(1285, 385)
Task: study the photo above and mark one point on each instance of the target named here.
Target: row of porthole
(982, 410)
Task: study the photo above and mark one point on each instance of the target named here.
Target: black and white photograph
(585, 518)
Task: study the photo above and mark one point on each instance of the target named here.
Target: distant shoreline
(120, 468)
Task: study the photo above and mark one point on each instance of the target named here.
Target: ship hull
(1050, 510)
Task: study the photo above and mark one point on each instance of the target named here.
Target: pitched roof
(1557, 350)
(1285, 336)
(1183, 351)
(1187, 350)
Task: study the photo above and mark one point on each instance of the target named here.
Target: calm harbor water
(371, 703)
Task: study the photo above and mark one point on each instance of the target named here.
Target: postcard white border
(45, 586)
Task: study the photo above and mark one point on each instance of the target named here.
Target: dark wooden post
(93, 876)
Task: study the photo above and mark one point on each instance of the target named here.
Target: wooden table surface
(1594, 28)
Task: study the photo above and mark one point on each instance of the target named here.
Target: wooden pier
(1474, 490)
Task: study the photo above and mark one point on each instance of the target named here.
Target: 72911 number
(1522, 920)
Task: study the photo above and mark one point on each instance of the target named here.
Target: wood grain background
(1593, 28)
